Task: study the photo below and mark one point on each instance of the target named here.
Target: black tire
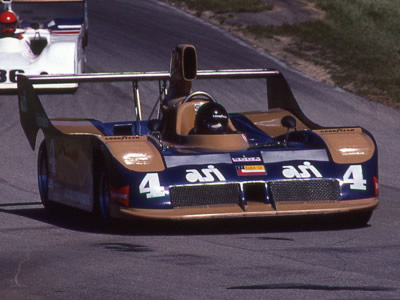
(359, 219)
(103, 194)
(43, 177)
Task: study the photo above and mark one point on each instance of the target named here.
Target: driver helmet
(211, 118)
(8, 22)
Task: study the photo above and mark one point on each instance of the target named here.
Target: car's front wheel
(359, 219)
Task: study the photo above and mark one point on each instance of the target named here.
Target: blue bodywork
(269, 152)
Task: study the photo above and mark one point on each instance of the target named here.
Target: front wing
(229, 185)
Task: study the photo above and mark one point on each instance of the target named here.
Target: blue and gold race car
(196, 160)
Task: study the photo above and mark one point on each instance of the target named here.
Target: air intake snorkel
(183, 71)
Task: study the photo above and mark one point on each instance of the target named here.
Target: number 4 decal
(150, 186)
(354, 177)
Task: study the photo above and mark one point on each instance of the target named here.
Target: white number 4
(150, 186)
(354, 177)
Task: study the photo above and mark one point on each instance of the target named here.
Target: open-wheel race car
(54, 46)
(196, 160)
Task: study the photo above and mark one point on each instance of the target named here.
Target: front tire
(359, 219)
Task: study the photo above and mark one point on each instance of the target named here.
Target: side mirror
(288, 122)
(154, 125)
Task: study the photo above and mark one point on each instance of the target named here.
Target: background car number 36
(12, 77)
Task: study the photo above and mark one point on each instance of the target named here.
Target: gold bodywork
(253, 209)
(136, 153)
(348, 145)
(270, 122)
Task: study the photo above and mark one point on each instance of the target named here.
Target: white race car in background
(54, 46)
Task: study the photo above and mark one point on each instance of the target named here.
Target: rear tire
(103, 195)
(43, 177)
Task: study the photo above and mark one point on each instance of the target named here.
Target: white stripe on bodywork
(69, 26)
(182, 160)
(280, 156)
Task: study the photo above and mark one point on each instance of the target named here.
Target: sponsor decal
(209, 174)
(136, 158)
(122, 138)
(120, 195)
(338, 130)
(306, 170)
(246, 159)
(251, 170)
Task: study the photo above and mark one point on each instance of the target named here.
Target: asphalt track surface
(74, 256)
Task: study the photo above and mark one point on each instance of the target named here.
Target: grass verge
(357, 42)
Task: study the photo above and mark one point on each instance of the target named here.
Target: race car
(56, 46)
(197, 161)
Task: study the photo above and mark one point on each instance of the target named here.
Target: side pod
(32, 114)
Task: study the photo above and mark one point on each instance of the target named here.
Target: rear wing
(33, 116)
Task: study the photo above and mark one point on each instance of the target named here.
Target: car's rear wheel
(43, 176)
(103, 195)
